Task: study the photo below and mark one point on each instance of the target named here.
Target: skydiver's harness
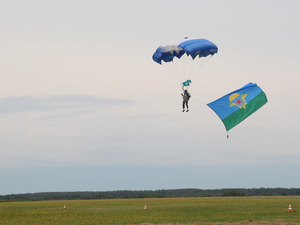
(186, 96)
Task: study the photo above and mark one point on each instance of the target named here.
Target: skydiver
(186, 97)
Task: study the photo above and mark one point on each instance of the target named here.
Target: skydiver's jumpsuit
(186, 97)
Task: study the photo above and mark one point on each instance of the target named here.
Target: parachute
(190, 47)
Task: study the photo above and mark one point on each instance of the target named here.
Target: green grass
(160, 211)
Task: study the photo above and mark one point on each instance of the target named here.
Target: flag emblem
(238, 100)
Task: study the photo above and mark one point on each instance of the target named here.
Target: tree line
(171, 193)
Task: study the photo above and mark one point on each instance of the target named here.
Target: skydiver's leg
(183, 106)
(187, 106)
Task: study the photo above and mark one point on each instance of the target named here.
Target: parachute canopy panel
(190, 47)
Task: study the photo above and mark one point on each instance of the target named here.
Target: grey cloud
(15, 104)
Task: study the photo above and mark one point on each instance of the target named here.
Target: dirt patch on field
(250, 222)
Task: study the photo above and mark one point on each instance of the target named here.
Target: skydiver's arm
(182, 87)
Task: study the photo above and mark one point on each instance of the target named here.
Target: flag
(236, 106)
(186, 83)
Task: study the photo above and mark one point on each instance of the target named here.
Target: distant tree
(233, 193)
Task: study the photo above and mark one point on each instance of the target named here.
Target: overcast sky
(83, 107)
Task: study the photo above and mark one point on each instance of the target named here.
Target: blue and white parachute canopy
(190, 47)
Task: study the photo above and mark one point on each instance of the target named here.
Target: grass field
(231, 210)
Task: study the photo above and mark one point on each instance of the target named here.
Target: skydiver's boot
(187, 110)
(183, 110)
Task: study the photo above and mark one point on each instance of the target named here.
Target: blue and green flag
(236, 106)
